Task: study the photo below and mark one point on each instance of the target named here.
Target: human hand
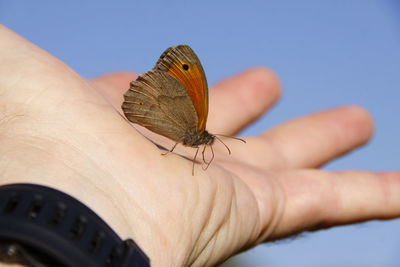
(61, 130)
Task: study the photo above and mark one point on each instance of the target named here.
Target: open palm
(64, 131)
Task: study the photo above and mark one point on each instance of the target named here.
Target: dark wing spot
(185, 66)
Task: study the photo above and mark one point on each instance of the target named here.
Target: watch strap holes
(96, 242)
(12, 203)
(58, 214)
(35, 207)
(115, 254)
(78, 227)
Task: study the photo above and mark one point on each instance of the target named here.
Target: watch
(41, 226)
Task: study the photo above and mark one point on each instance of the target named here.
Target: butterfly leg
(172, 149)
(212, 158)
(194, 160)
(203, 152)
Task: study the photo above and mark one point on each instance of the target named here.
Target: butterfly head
(195, 138)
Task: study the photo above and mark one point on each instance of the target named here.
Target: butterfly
(172, 100)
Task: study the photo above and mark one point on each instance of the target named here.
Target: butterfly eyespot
(141, 103)
(185, 66)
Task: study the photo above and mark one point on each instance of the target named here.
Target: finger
(306, 142)
(318, 199)
(113, 86)
(309, 141)
(239, 100)
(317, 138)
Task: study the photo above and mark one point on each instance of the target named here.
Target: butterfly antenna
(229, 151)
(233, 137)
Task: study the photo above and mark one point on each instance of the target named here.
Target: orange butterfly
(172, 100)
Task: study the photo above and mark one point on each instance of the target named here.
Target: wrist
(115, 209)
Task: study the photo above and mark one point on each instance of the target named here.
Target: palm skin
(61, 130)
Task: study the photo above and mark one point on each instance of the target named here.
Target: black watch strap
(41, 226)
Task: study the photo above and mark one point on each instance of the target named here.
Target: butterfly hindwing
(160, 103)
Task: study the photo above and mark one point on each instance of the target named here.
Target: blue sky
(326, 53)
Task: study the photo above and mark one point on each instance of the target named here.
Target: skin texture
(61, 130)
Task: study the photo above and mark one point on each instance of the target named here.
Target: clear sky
(326, 53)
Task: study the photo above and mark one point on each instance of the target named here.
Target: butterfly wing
(160, 103)
(182, 63)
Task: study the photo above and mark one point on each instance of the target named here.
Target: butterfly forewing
(160, 103)
(182, 63)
